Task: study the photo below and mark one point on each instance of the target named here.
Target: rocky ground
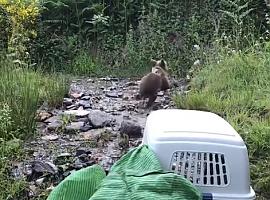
(98, 122)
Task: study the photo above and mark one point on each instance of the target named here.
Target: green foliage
(10, 187)
(85, 64)
(20, 16)
(237, 88)
(124, 34)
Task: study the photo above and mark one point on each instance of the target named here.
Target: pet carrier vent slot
(201, 168)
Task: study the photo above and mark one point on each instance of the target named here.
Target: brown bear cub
(153, 82)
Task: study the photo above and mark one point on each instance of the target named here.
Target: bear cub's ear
(153, 62)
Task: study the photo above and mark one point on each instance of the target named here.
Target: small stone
(84, 104)
(71, 107)
(78, 113)
(40, 168)
(126, 115)
(76, 95)
(131, 129)
(82, 119)
(43, 115)
(64, 155)
(67, 101)
(83, 157)
(82, 150)
(32, 191)
(85, 128)
(112, 95)
(40, 181)
(125, 98)
(52, 119)
(78, 164)
(54, 126)
(50, 188)
(120, 94)
(50, 137)
(73, 127)
(112, 88)
(121, 108)
(99, 119)
(128, 84)
(86, 98)
(93, 135)
(160, 94)
(90, 80)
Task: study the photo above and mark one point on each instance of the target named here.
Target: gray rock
(160, 94)
(120, 94)
(43, 115)
(86, 128)
(82, 119)
(71, 107)
(114, 94)
(131, 83)
(112, 88)
(85, 104)
(93, 135)
(52, 137)
(53, 119)
(40, 181)
(78, 164)
(82, 150)
(41, 167)
(76, 95)
(99, 119)
(67, 101)
(54, 125)
(80, 112)
(86, 98)
(64, 155)
(90, 80)
(74, 127)
(131, 129)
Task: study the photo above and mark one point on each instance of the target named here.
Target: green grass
(84, 65)
(237, 88)
(22, 92)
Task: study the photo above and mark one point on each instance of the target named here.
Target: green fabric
(79, 185)
(136, 176)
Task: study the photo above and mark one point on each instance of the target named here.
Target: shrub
(23, 15)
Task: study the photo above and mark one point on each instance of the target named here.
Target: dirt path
(104, 111)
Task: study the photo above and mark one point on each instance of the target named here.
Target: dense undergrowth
(22, 92)
(237, 88)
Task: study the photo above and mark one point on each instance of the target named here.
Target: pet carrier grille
(201, 168)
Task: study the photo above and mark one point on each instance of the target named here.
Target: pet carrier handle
(207, 196)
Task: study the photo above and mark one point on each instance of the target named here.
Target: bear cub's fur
(155, 81)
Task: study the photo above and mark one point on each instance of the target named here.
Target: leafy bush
(237, 88)
(23, 16)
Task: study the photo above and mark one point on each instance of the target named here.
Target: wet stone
(99, 119)
(132, 129)
(67, 101)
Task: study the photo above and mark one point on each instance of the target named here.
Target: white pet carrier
(202, 147)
